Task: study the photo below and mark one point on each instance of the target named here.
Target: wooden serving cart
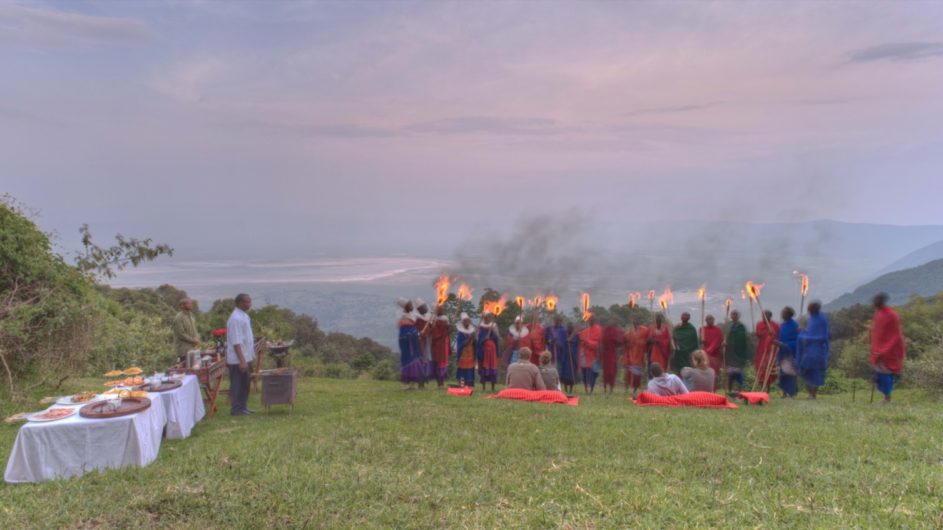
(210, 376)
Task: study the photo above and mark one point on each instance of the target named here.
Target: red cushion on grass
(542, 396)
(706, 400)
(755, 398)
(461, 391)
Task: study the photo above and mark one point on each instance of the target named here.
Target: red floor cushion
(541, 396)
(707, 400)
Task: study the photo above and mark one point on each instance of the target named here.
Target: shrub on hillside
(385, 370)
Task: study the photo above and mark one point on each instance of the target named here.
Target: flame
(519, 300)
(727, 303)
(702, 292)
(584, 304)
(665, 299)
(663, 303)
(442, 289)
(743, 294)
(651, 295)
(753, 289)
(464, 292)
(495, 307)
(537, 301)
(804, 282)
(552, 302)
(634, 298)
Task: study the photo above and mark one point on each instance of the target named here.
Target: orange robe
(636, 342)
(589, 345)
(765, 338)
(661, 348)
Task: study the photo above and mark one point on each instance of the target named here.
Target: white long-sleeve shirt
(667, 385)
(239, 331)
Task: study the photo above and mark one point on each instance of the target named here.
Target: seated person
(524, 374)
(700, 377)
(548, 372)
(663, 384)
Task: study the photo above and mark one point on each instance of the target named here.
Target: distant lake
(349, 295)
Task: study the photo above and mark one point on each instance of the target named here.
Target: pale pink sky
(366, 121)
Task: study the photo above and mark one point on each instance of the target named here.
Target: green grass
(366, 454)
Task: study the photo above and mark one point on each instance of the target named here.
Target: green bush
(385, 370)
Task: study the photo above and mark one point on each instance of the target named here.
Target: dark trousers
(238, 388)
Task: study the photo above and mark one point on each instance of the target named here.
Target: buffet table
(183, 407)
(75, 445)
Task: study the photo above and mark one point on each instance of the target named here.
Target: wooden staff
(769, 328)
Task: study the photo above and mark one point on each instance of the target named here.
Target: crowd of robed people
(670, 359)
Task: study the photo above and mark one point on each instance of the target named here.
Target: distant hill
(916, 258)
(925, 280)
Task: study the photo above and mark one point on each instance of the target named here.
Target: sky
(292, 128)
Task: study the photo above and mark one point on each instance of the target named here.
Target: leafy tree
(105, 262)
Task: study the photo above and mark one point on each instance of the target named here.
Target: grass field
(364, 454)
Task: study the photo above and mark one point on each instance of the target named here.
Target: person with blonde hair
(548, 372)
(700, 377)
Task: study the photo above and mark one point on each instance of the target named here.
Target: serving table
(75, 445)
(183, 407)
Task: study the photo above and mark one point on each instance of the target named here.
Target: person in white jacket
(664, 384)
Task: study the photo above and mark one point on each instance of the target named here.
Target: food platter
(131, 405)
(52, 414)
(82, 398)
(163, 387)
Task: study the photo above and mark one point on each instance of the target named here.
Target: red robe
(589, 345)
(713, 344)
(661, 348)
(636, 342)
(887, 340)
(611, 339)
(441, 342)
(515, 342)
(537, 342)
(765, 337)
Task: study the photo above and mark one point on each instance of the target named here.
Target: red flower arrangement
(221, 332)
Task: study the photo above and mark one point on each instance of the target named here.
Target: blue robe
(813, 350)
(487, 367)
(573, 351)
(410, 357)
(560, 349)
(467, 375)
(789, 337)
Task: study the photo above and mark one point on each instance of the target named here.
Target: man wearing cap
(186, 336)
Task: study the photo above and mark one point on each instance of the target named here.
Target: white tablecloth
(183, 406)
(77, 445)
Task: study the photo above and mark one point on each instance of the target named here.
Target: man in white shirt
(240, 352)
(664, 384)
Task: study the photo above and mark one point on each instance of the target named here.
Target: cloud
(672, 109)
(39, 26)
(487, 125)
(897, 51)
(330, 130)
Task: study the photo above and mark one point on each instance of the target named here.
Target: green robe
(686, 341)
(737, 351)
(185, 333)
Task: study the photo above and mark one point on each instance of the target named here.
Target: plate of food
(114, 373)
(134, 370)
(78, 399)
(53, 414)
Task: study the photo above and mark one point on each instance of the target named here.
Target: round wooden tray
(163, 387)
(128, 406)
